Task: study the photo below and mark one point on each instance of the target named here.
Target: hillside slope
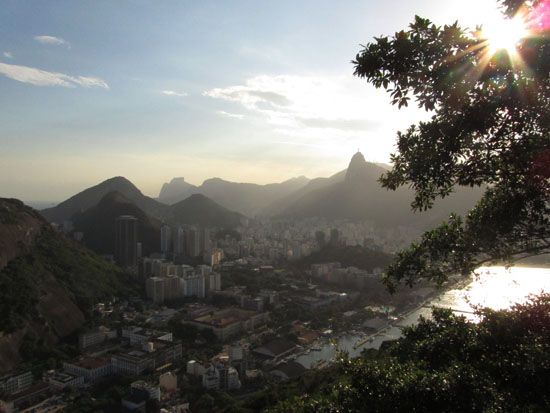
(91, 196)
(201, 210)
(98, 224)
(47, 283)
(359, 196)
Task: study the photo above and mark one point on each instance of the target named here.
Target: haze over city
(292, 206)
(241, 90)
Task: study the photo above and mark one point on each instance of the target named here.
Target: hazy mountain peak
(113, 196)
(176, 189)
(356, 167)
(91, 196)
(297, 179)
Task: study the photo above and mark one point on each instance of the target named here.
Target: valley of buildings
(199, 329)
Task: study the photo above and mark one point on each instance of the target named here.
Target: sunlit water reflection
(494, 287)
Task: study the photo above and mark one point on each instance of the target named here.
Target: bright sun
(504, 34)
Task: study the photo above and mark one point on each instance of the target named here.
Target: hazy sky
(251, 91)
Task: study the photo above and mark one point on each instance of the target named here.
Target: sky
(246, 90)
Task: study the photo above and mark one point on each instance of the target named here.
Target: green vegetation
(86, 277)
(349, 256)
(448, 364)
(490, 127)
(253, 280)
(198, 344)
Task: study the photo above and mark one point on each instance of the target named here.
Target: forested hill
(47, 283)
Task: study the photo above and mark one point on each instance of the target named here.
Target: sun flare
(505, 34)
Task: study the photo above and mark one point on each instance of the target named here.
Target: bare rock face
(176, 190)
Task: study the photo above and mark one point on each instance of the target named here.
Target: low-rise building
(62, 380)
(229, 322)
(287, 371)
(14, 383)
(151, 355)
(95, 337)
(19, 401)
(138, 335)
(194, 368)
(276, 350)
(152, 390)
(211, 378)
(90, 369)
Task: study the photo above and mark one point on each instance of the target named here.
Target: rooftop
(292, 369)
(276, 347)
(225, 317)
(91, 363)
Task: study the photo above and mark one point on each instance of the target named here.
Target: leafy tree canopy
(449, 364)
(490, 127)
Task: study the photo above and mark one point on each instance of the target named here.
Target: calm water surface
(494, 287)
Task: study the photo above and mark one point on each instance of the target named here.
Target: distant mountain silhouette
(91, 196)
(246, 198)
(279, 205)
(98, 224)
(356, 194)
(93, 212)
(176, 190)
(201, 210)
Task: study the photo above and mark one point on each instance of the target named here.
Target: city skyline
(240, 91)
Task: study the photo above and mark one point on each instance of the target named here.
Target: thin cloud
(343, 124)
(174, 93)
(230, 115)
(52, 40)
(249, 96)
(8, 55)
(322, 112)
(40, 77)
(302, 102)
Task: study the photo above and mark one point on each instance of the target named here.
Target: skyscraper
(192, 243)
(204, 239)
(126, 242)
(179, 242)
(165, 239)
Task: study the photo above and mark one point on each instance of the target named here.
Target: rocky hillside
(176, 190)
(47, 283)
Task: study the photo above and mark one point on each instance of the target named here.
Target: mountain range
(353, 193)
(356, 194)
(246, 198)
(91, 196)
